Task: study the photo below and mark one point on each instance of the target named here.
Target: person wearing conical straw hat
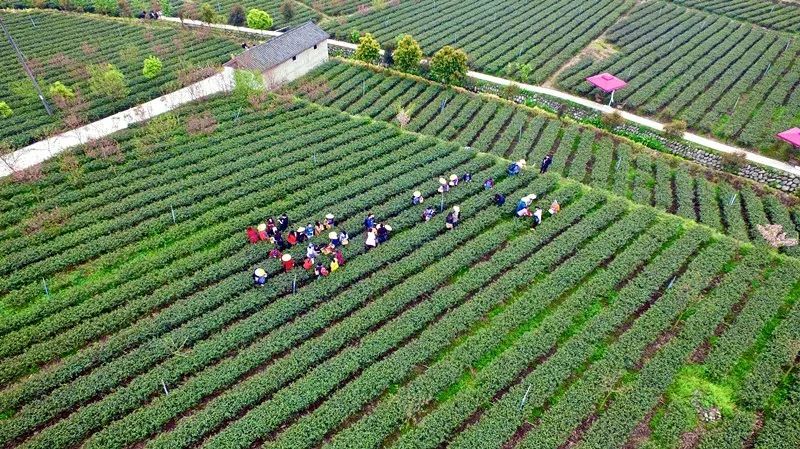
(344, 238)
(329, 221)
(516, 167)
(259, 277)
(554, 208)
(333, 236)
(262, 231)
(453, 180)
(443, 186)
(417, 198)
(537, 217)
(287, 262)
(301, 235)
(451, 220)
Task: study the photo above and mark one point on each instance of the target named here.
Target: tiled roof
(280, 49)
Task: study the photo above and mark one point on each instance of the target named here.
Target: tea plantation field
(580, 152)
(149, 332)
(79, 42)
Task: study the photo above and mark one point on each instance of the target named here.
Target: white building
(286, 57)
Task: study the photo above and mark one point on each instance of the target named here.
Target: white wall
(293, 69)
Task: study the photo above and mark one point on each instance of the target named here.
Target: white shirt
(371, 239)
(538, 214)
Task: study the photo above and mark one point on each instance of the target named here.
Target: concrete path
(40, 151)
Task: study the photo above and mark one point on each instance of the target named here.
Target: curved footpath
(43, 150)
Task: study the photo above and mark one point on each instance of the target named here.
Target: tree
(287, 10)
(152, 67)
(354, 35)
(258, 19)
(407, 55)
(449, 66)
(237, 16)
(5, 110)
(107, 80)
(207, 13)
(246, 84)
(368, 50)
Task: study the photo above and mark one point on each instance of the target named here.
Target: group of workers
(272, 231)
(376, 232)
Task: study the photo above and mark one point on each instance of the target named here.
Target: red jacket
(288, 265)
(252, 235)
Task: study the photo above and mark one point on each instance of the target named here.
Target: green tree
(407, 54)
(247, 83)
(354, 35)
(259, 19)
(5, 110)
(58, 89)
(152, 67)
(449, 66)
(368, 50)
(287, 10)
(237, 16)
(207, 13)
(107, 80)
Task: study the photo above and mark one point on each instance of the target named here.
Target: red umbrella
(792, 136)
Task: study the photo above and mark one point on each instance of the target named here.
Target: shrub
(403, 117)
(449, 66)
(44, 220)
(732, 162)
(152, 67)
(5, 110)
(104, 148)
(612, 119)
(107, 80)
(407, 55)
(675, 129)
(59, 90)
(368, 49)
(201, 124)
(237, 16)
(287, 10)
(510, 92)
(259, 19)
(207, 13)
(525, 71)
